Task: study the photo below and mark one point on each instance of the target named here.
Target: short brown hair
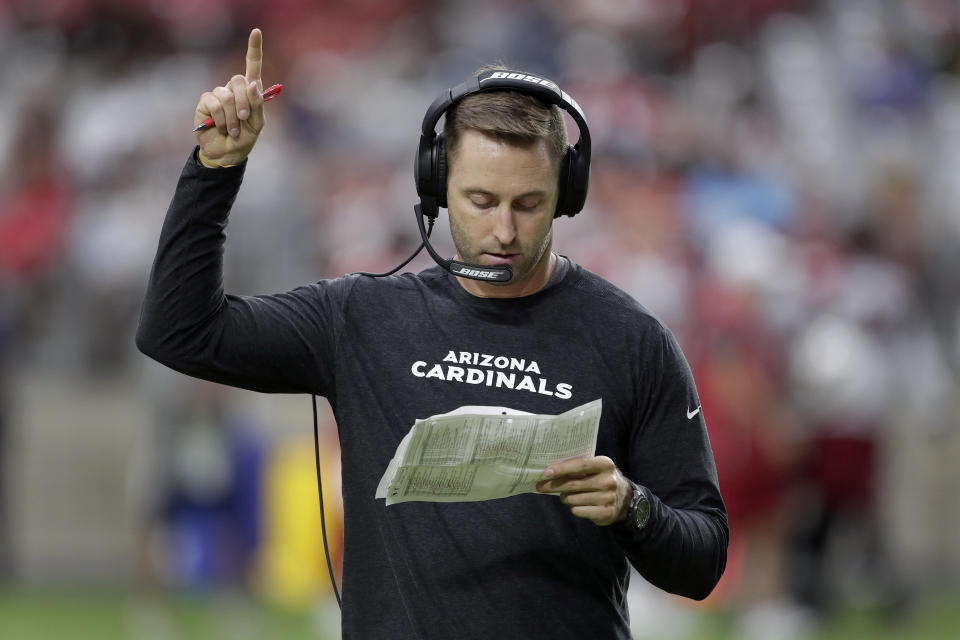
(510, 116)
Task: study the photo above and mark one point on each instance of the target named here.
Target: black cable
(402, 264)
(323, 518)
(316, 430)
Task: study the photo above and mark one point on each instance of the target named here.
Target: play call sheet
(482, 453)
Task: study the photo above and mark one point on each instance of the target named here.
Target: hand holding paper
(593, 488)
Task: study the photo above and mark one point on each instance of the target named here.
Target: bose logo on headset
(497, 75)
(475, 273)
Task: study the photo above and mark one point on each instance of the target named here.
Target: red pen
(268, 95)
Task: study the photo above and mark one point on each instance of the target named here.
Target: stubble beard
(470, 254)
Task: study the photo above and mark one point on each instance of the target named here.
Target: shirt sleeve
(683, 547)
(280, 343)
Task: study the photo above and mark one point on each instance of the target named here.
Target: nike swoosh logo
(690, 414)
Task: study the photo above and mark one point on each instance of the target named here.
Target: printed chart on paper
(482, 453)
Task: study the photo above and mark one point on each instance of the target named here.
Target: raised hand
(237, 112)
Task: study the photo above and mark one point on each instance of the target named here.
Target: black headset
(430, 169)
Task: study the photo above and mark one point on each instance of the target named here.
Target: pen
(268, 95)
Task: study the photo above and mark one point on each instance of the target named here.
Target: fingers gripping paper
(481, 453)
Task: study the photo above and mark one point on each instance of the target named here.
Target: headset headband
(542, 88)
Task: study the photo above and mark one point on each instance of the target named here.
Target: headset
(430, 174)
(430, 165)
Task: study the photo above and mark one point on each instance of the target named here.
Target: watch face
(641, 513)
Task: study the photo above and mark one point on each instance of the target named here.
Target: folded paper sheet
(481, 453)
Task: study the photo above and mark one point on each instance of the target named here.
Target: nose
(504, 229)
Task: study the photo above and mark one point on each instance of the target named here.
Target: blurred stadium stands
(776, 179)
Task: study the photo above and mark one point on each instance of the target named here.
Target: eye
(481, 202)
(527, 204)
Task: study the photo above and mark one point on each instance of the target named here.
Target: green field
(110, 616)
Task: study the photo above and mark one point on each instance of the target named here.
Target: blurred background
(776, 179)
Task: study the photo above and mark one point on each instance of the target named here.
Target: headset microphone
(500, 273)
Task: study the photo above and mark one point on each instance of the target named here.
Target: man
(522, 567)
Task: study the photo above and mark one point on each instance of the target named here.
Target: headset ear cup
(440, 170)
(563, 191)
(423, 166)
(578, 181)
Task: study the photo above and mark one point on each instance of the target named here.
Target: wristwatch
(638, 513)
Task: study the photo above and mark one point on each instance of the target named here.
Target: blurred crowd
(775, 179)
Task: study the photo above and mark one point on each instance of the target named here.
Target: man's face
(501, 201)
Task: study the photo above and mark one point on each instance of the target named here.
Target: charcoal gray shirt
(385, 351)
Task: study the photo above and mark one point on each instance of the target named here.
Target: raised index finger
(255, 57)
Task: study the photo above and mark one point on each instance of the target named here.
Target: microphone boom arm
(500, 273)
